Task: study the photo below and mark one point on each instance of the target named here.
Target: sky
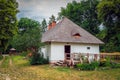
(39, 9)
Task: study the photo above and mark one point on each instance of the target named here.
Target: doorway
(67, 51)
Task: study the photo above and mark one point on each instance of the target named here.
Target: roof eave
(101, 43)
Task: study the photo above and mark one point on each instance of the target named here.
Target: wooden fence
(113, 56)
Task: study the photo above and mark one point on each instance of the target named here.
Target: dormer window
(77, 35)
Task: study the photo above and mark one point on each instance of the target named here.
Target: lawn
(18, 68)
(1, 57)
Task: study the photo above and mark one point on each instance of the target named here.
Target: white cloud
(39, 9)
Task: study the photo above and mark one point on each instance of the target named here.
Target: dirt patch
(7, 78)
(10, 62)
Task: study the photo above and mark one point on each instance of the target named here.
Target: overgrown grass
(5, 63)
(20, 61)
(1, 57)
(20, 71)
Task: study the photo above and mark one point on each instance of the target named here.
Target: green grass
(20, 61)
(5, 63)
(21, 70)
(63, 69)
(1, 57)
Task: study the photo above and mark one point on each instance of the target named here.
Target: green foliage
(102, 34)
(8, 22)
(44, 25)
(51, 19)
(6, 62)
(26, 24)
(20, 61)
(106, 62)
(109, 14)
(1, 57)
(86, 66)
(63, 69)
(109, 63)
(38, 59)
(83, 13)
(115, 65)
(24, 53)
(28, 37)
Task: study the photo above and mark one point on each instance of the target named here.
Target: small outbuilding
(12, 51)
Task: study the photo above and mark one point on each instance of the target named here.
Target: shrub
(24, 53)
(86, 66)
(102, 64)
(115, 65)
(37, 59)
(108, 63)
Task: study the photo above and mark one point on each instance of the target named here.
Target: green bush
(87, 66)
(115, 65)
(109, 63)
(38, 59)
(24, 53)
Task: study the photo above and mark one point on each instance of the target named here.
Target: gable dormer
(76, 35)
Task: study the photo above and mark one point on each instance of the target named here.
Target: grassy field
(18, 68)
(1, 57)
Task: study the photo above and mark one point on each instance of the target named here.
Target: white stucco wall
(82, 48)
(55, 51)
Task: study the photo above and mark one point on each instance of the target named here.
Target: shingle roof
(64, 31)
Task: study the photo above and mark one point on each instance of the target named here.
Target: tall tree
(29, 36)
(8, 22)
(109, 14)
(84, 14)
(44, 25)
(51, 19)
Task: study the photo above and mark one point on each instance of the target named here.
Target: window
(88, 48)
(77, 35)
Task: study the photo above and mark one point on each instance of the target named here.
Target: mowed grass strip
(5, 62)
(1, 57)
(20, 61)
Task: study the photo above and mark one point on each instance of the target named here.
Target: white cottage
(66, 38)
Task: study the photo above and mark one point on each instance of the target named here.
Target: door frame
(67, 51)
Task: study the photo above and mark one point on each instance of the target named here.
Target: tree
(84, 14)
(31, 36)
(26, 24)
(8, 22)
(109, 14)
(44, 25)
(51, 19)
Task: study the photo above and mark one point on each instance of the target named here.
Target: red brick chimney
(49, 26)
(52, 25)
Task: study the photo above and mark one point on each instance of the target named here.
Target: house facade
(66, 38)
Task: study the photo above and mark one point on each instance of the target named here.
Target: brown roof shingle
(64, 31)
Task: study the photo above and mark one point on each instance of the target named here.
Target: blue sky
(39, 9)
